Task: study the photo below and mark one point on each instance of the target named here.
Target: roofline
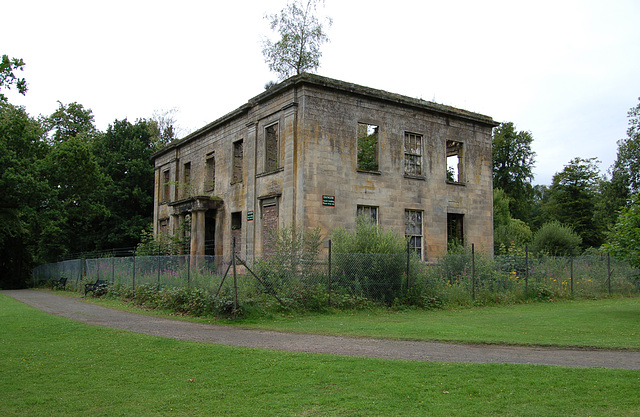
(330, 83)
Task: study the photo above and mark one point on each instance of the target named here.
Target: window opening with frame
(236, 229)
(454, 161)
(455, 229)
(368, 212)
(186, 180)
(164, 186)
(237, 162)
(413, 230)
(272, 147)
(412, 154)
(210, 178)
(368, 147)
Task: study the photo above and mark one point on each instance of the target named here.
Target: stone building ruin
(314, 151)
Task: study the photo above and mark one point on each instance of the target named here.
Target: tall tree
(625, 235)
(513, 162)
(7, 77)
(22, 145)
(71, 120)
(301, 35)
(124, 153)
(573, 197)
(626, 169)
(69, 219)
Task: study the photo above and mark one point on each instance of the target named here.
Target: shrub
(556, 239)
(369, 261)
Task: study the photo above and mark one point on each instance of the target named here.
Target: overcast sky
(567, 71)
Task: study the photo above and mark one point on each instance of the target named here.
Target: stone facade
(314, 151)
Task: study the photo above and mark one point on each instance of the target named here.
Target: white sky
(567, 71)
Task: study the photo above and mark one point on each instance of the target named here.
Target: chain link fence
(355, 279)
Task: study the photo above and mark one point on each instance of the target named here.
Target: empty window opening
(412, 154)
(367, 147)
(272, 144)
(186, 180)
(164, 186)
(369, 213)
(413, 230)
(455, 229)
(236, 229)
(237, 162)
(210, 179)
(454, 161)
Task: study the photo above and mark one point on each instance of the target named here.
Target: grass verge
(53, 366)
(604, 324)
(608, 323)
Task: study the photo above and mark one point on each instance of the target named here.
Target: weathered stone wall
(329, 132)
(317, 121)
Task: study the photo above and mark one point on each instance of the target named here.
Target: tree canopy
(573, 197)
(301, 35)
(8, 78)
(513, 162)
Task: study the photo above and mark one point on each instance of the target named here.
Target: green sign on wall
(329, 200)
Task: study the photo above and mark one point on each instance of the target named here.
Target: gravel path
(297, 342)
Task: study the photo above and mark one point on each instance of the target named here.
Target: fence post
(158, 264)
(572, 275)
(133, 275)
(329, 275)
(235, 282)
(526, 265)
(473, 272)
(609, 271)
(408, 261)
(189, 271)
(113, 270)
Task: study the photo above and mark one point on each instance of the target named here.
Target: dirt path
(297, 342)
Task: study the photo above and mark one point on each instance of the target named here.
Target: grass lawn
(53, 366)
(609, 323)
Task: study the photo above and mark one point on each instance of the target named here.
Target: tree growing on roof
(301, 35)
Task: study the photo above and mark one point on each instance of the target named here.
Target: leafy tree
(124, 155)
(71, 120)
(163, 127)
(624, 239)
(556, 239)
(22, 145)
(573, 197)
(625, 172)
(513, 162)
(539, 210)
(509, 233)
(69, 217)
(7, 77)
(301, 35)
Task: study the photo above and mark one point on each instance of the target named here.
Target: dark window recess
(236, 229)
(455, 229)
